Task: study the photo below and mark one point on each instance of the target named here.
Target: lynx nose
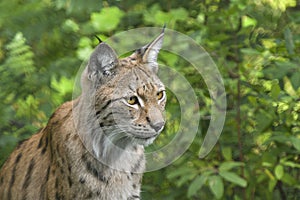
(158, 126)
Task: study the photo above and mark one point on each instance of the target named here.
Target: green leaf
(280, 69)
(184, 179)
(288, 87)
(196, 185)
(70, 26)
(272, 184)
(296, 143)
(289, 43)
(169, 59)
(227, 153)
(295, 79)
(84, 42)
(107, 20)
(250, 51)
(248, 21)
(156, 16)
(84, 53)
(275, 90)
(216, 186)
(279, 172)
(179, 14)
(264, 119)
(226, 166)
(290, 164)
(234, 178)
(149, 13)
(179, 172)
(289, 180)
(278, 137)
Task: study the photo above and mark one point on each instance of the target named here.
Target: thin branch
(238, 110)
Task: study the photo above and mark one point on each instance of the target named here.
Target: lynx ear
(102, 62)
(150, 52)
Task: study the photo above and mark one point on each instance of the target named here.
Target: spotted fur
(93, 147)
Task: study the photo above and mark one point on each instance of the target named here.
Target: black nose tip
(158, 126)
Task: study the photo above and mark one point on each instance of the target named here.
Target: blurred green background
(255, 44)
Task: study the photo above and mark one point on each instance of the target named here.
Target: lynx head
(128, 99)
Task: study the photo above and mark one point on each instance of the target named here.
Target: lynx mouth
(145, 140)
(145, 137)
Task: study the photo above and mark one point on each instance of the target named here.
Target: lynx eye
(132, 100)
(160, 95)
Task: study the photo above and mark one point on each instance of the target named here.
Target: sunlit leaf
(288, 87)
(291, 164)
(226, 166)
(289, 43)
(107, 19)
(234, 178)
(279, 171)
(296, 142)
(247, 21)
(196, 185)
(216, 186)
(70, 26)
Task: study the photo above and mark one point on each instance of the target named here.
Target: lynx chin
(93, 146)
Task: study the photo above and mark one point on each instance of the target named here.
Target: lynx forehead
(92, 147)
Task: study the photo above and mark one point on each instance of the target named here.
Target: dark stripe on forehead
(145, 78)
(131, 88)
(136, 76)
(145, 72)
(147, 88)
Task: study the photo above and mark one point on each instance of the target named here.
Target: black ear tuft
(102, 62)
(164, 27)
(100, 41)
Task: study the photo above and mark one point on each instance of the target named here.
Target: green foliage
(255, 44)
(18, 72)
(155, 16)
(104, 22)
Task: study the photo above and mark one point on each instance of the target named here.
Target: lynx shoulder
(93, 147)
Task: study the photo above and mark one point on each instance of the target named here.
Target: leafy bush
(256, 46)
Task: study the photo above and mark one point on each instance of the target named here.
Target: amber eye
(160, 95)
(132, 100)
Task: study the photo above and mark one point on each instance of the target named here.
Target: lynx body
(93, 147)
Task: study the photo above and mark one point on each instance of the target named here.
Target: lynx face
(137, 105)
(128, 96)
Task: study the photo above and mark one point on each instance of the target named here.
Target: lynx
(93, 146)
